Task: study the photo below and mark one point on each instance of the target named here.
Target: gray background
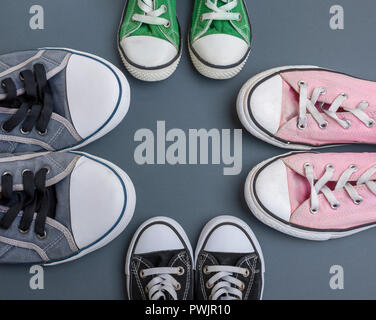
(286, 32)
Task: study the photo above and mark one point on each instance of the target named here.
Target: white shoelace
(227, 287)
(221, 13)
(150, 15)
(162, 282)
(343, 182)
(306, 104)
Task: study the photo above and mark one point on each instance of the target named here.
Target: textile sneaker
(314, 196)
(58, 99)
(229, 262)
(150, 39)
(220, 37)
(57, 207)
(159, 262)
(303, 108)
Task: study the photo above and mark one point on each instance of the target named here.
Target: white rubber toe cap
(96, 92)
(272, 190)
(148, 52)
(96, 201)
(158, 236)
(266, 104)
(228, 238)
(221, 49)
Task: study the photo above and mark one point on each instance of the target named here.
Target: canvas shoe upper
(159, 262)
(220, 37)
(308, 107)
(315, 196)
(149, 38)
(229, 262)
(53, 99)
(56, 207)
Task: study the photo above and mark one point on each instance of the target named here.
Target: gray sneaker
(58, 99)
(58, 206)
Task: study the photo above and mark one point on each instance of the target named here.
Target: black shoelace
(35, 106)
(35, 198)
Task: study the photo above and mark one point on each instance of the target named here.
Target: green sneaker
(220, 37)
(150, 39)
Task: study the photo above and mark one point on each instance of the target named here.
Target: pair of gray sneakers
(56, 204)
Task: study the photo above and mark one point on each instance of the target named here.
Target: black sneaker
(229, 262)
(159, 264)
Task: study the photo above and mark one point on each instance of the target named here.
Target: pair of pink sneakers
(310, 195)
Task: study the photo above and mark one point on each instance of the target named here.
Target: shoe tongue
(161, 259)
(228, 259)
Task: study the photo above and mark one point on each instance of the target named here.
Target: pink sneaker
(315, 196)
(304, 107)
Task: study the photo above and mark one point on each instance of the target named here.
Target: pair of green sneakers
(150, 41)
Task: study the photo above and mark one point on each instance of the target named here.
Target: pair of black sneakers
(228, 263)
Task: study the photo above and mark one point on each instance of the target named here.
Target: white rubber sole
(264, 217)
(230, 219)
(216, 73)
(149, 75)
(246, 120)
(122, 108)
(167, 220)
(124, 221)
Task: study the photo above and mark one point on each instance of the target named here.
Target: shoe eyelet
(178, 286)
(167, 25)
(371, 123)
(42, 133)
(323, 125)
(202, 18)
(358, 201)
(307, 165)
(246, 273)
(210, 297)
(24, 132)
(47, 168)
(301, 126)
(164, 8)
(23, 231)
(142, 274)
(323, 91)
(7, 173)
(2, 128)
(242, 287)
(181, 271)
(42, 237)
(205, 270)
(348, 124)
(344, 95)
(240, 18)
(335, 206)
(208, 285)
(330, 166)
(25, 170)
(314, 210)
(301, 83)
(354, 167)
